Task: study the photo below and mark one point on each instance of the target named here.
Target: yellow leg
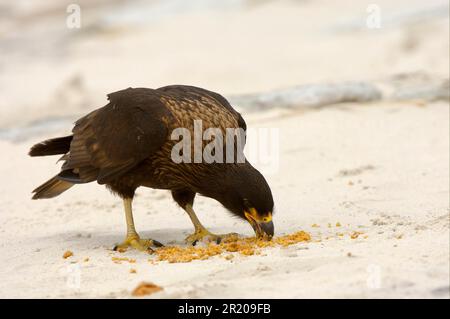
(132, 239)
(201, 233)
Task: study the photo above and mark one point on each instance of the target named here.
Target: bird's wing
(110, 141)
(197, 93)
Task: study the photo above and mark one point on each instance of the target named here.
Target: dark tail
(54, 186)
(54, 146)
(51, 188)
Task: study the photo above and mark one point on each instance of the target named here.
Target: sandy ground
(399, 200)
(381, 169)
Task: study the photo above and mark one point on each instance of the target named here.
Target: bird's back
(188, 104)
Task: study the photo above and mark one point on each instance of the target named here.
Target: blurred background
(51, 71)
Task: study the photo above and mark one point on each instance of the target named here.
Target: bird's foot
(134, 241)
(203, 235)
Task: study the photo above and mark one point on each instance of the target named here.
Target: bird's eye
(267, 218)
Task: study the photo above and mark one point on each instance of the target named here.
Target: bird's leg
(200, 233)
(132, 239)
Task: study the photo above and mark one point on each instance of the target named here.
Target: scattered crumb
(350, 183)
(118, 260)
(349, 254)
(133, 271)
(356, 171)
(145, 288)
(86, 259)
(355, 234)
(338, 224)
(315, 226)
(67, 254)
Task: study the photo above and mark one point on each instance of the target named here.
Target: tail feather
(54, 146)
(51, 188)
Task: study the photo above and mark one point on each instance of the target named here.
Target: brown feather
(51, 188)
(54, 146)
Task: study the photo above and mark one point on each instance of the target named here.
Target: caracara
(129, 143)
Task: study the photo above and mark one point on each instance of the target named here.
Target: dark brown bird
(127, 144)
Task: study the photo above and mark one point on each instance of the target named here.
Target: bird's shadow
(96, 239)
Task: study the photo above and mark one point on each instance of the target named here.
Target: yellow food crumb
(118, 260)
(247, 252)
(86, 259)
(132, 271)
(232, 244)
(315, 226)
(67, 254)
(146, 288)
(355, 234)
(338, 224)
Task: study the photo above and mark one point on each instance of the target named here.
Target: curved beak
(262, 228)
(267, 228)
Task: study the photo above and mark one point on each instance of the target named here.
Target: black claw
(157, 243)
(116, 247)
(194, 242)
(218, 240)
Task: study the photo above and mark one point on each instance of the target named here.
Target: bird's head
(248, 196)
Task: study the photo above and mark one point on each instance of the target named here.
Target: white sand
(401, 203)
